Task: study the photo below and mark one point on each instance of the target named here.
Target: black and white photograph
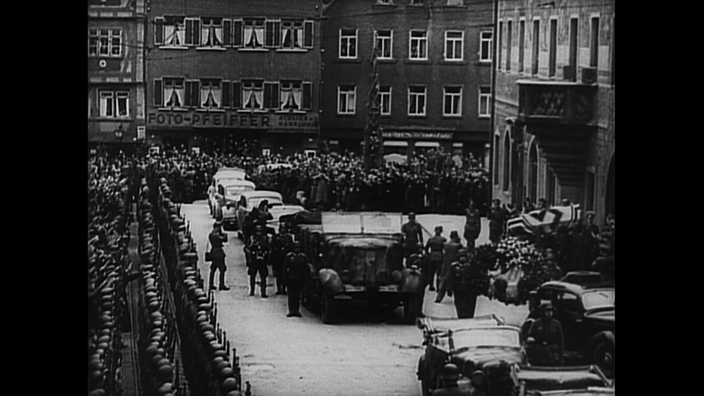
(351, 197)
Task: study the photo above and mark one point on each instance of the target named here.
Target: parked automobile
(483, 346)
(581, 380)
(585, 308)
(250, 200)
(358, 258)
(228, 202)
(220, 178)
(279, 211)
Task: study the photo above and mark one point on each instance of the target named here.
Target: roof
(235, 182)
(262, 194)
(435, 325)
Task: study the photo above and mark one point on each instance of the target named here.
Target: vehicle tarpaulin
(361, 223)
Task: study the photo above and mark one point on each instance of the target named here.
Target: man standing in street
(435, 247)
(282, 245)
(413, 236)
(296, 271)
(459, 281)
(497, 220)
(451, 251)
(217, 238)
(259, 256)
(472, 225)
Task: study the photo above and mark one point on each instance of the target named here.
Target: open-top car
(584, 306)
(534, 381)
(483, 346)
(251, 199)
(358, 259)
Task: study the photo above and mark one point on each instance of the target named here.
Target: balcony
(556, 103)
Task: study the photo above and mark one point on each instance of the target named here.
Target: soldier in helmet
(459, 281)
(544, 341)
(449, 382)
(296, 271)
(282, 245)
(258, 250)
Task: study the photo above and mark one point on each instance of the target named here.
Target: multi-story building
(219, 72)
(115, 72)
(434, 71)
(554, 134)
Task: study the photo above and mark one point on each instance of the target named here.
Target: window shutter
(271, 96)
(192, 31)
(236, 95)
(196, 32)
(237, 33)
(192, 94)
(269, 34)
(277, 35)
(308, 34)
(158, 93)
(189, 95)
(189, 34)
(226, 32)
(159, 31)
(307, 96)
(225, 94)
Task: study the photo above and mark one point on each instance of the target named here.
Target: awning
(427, 144)
(395, 143)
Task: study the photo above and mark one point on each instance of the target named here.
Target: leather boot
(263, 287)
(252, 283)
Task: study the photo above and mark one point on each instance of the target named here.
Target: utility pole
(373, 140)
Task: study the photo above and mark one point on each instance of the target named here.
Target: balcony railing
(553, 102)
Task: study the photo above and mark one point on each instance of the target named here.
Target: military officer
(545, 342)
(435, 247)
(217, 238)
(282, 245)
(296, 271)
(259, 252)
(459, 281)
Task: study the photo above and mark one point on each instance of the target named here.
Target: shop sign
(418, 135)
(231, 119)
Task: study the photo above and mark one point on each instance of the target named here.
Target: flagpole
(372, 131)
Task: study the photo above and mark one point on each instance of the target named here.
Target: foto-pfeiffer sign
(418, 135)
(231, 119)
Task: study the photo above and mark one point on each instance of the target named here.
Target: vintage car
(250, 200)
(483, 346)
(221, 177)
(227, 203)
(585, 308)
(534, 381)
(358, 259)
(281, 211)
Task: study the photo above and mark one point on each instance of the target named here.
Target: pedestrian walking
(412, 236)
(296, 272)
(472, 225)
(435, 247)
(460, 282)
(545, 341)
(217, 238)
(259, 251)
(451, 251)
(497, 220)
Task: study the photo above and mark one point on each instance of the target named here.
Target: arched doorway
(533, 172)
(610, 196)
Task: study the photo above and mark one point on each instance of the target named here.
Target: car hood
(485, 357)
(556, 378)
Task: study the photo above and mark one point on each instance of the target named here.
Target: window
(452, 101)
(114, 104)
(105, 42)
(253, 94)
(416, 101)
(385, 99)
(485, 41)
(346, 97)
(272, 34)
(170, 31)
(292, 32)
(192, 31)
(552, 58)
(574, 30)
(174, 92)
(253, 33)
(419, 45)
(291, 95)
(211, 32)
(384, 43)
(536, 47)
(509, 27)
(594, 43)
(453, 45)
(348, 43)
(485, 101)
(210, 93)
(521, 45)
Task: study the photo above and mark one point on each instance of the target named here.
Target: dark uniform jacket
(549, 337)
(436, 244)
(296, 266)
(217, 238)
(459, 276)
(259, 249)
(413, 234)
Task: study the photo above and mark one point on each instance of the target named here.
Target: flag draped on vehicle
(556, 215)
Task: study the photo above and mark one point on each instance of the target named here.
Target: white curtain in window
(259, 33)
(174, 96)
(122, 105)
(211, 35)
(210, 96)
(106, 104)
(297, 98)
(175, 34)
(286, 98)
(254, 98)
(248, 30)
(350, 102)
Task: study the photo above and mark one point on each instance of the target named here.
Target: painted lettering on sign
(231, 120)
(418, 135)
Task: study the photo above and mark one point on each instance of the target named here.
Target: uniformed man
(449, 379)
(451, 251)
(282, 244)
(217, 238)
(259, 252)
(413, 236)
(459, 281)
(435, 248)
(472, 225)
(497, 221)
(545, 342)
(296, 271)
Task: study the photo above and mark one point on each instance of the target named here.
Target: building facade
(434, 72)
(116, 94)
(222, 72)
(554, 135)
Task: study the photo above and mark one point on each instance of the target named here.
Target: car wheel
(604, 358)
(411, 309)
(328, 309)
